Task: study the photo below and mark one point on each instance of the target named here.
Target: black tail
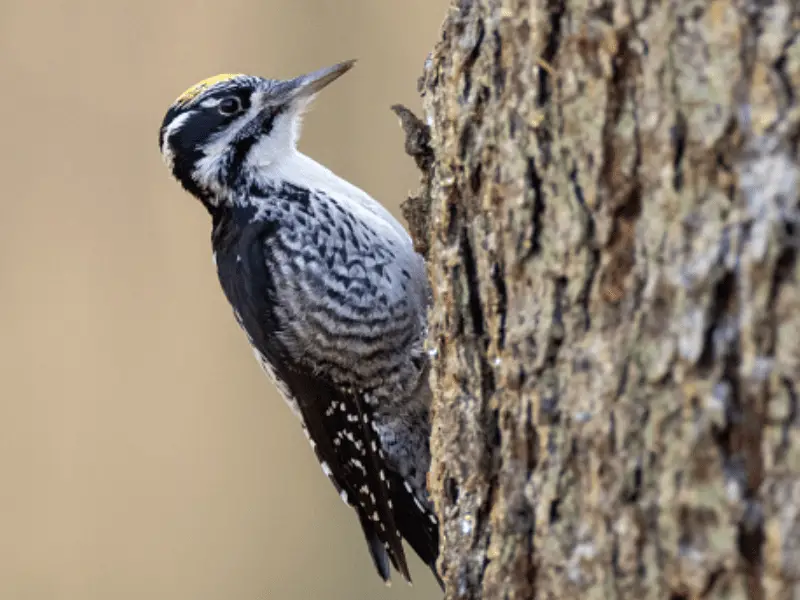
(376, 549)
(417, 524)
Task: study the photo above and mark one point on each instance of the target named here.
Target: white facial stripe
(166, 149)
(211, 102)
(180, 120)
(214, 151)
(276, 146)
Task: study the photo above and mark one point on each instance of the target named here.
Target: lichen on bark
(612, 244)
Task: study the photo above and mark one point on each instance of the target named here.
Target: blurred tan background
(142, 452)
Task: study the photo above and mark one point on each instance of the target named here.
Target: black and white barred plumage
(327, 287)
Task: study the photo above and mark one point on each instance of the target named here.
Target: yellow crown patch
(193, 91)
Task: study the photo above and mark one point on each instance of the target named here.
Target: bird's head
(227, 126)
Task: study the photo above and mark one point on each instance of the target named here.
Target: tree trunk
(612, 189)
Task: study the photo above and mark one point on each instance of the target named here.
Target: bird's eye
(230, 106)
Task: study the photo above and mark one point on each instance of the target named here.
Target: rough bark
(612, 243)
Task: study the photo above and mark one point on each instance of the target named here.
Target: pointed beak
(306, 86)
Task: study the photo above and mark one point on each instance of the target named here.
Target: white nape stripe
(166, 149)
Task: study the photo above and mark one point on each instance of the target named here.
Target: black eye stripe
(242, 94)
(244, 98)
(269, 120)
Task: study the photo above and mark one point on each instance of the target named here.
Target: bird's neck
(298, 169)
(302, 171)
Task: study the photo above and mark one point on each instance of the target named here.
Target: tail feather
(381, 554)
(417, 524)
(376, 550)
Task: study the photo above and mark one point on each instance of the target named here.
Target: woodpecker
(326, 285)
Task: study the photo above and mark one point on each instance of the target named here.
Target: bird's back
(329, 287)
(329, 290)
(349, 291)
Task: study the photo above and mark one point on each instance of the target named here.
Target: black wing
(338, 423)
(339, 427)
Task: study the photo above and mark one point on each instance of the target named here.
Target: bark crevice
(611, 209)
